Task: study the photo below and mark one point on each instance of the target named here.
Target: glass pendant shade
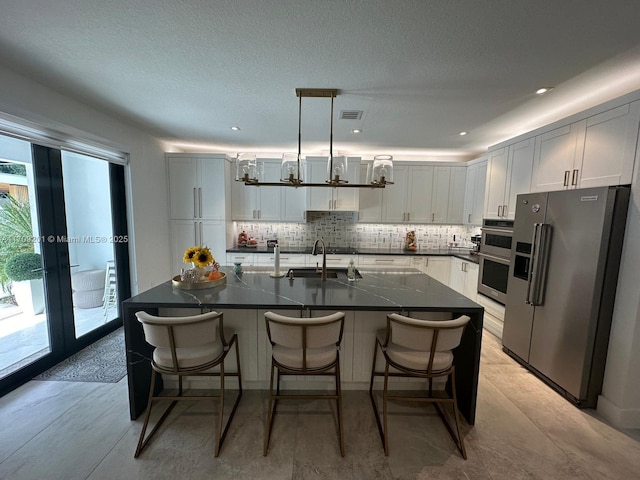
(381, 170)
(246, 168)
(337, 170)
(292, 168)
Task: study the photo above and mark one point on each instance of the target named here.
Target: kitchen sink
(313, 272)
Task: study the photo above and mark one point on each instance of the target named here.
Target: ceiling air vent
(350, 114)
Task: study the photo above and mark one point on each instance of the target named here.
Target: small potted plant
(25, 272)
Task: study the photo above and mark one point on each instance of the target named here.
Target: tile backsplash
(340, 229)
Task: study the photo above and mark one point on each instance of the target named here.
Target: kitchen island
(367, 301)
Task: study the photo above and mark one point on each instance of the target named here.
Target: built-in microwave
(497, 236)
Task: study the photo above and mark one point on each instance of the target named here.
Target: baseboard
(616, 416)
(493, 325)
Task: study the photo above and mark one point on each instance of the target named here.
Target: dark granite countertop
(385, 290)
(463, 253)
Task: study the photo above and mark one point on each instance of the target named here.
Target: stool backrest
(182, 332)
(425, 335)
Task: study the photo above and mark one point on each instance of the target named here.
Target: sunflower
(203, 257)
(190, 254)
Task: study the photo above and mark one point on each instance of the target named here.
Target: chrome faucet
(323, 277)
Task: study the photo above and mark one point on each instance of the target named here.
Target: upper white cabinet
(420, 194)
(474, 192)
(331, 199)
(596, 151)
(457, 195)
(509, 172)
(197, 186)
(284, 204)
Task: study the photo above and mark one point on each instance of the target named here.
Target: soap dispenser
(351, 271)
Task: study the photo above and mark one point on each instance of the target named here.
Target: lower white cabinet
(438, 268)
(336, 261)
(464, 277)
(390, 261)
(189, 233)
(286, 259)
(241, 257)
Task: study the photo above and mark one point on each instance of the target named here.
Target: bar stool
(304, 346)
(189, 346)
(418, 348)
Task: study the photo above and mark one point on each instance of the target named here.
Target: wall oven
(495, 254)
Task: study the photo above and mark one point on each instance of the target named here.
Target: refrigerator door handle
(538, 264)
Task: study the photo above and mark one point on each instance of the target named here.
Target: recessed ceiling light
(463, 133)
(356, 130)
(543, 90)
(235, 128)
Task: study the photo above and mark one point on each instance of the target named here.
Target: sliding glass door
(76, 207)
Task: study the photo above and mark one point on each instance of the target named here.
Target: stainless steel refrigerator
(565, 258)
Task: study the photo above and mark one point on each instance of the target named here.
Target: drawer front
(385, 261)
(286, 260)
(244, 258)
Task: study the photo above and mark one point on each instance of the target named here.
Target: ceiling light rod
(291, 179)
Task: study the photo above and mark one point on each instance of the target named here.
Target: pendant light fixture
(292, 168)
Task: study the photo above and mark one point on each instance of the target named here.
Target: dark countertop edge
(418, 253)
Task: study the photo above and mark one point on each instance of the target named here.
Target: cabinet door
(183, 187)
(243, 201)
(478, 194)
(520, 170)
(293, 203)
(440, 194)
(496, 183)
(554, 157)
(318, 198)
(184, 234)
(470, 193)
(456, 201)
(439, 268)
(213, 176)
(456, 278)
(346, 199)
(471, 280)
(370, 201)
(394, 208)
(421, 193)
(269, 198)
(213, 235)
(610, 147)
(420, 263)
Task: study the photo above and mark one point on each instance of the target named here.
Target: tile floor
(64, 430)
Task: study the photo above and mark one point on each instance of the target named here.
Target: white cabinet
(440, 188)
(331, 199)
(187, 233)
(284, 204)
(456, 193)
(333, 260)
(258, 203)
(509, 172)
(464, 277)
(286, 259)
(385, 261)
(596, 151)
(438, 268)
(247, 259)
(198, 198)
(474, 192)
(197, 186)
(370, 200)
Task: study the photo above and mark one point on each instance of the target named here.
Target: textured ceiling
(421, 70)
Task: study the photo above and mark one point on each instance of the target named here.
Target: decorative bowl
(176, 282)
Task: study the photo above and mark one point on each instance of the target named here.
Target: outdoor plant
(24, 266)
(15, 233)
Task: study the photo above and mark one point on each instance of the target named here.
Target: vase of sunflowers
(201, 260)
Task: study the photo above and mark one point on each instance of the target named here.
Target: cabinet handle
(329, 204)
(195, 231)
(201, 239)
(574, 177)
(195, 204)
(566, 178)
(199, 202)
(259, 214)
(504, 211)
(384, 260)
(426, 262)
(499, 210)
(433, 217)
(335, 204)
(469, 221)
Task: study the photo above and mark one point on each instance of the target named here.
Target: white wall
(146, 174)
